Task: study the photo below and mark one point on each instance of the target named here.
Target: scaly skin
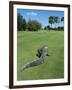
(42, 53)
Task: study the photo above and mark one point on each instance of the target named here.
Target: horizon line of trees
(31, 25)
(54, 20)
(34, 25)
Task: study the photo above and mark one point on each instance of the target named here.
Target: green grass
(27, 45)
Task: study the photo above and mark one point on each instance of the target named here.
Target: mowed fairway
(27, 45)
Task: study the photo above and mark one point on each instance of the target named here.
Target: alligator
(41, 54)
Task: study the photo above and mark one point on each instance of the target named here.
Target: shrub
(33, 25)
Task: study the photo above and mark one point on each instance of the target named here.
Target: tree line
(31, 25)
(54, 20)
(34, 25)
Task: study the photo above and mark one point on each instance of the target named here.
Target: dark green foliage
(56, 21)
(51, 20)
(47, 27)
(21, 23)
(62, 19)
(33, 25)
(60, 28)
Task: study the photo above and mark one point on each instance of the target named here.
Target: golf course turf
(27, 45)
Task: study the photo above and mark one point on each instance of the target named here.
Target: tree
(21, 22)
(56, 20)
(60, 28)
(62, 19)
(51, 20)
(33, 25)
(47, 27)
